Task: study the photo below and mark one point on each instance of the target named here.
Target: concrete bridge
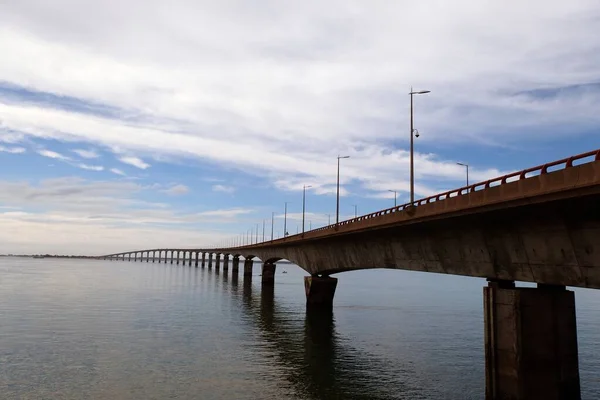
(538, 225)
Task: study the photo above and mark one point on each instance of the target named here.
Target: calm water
(73, 329)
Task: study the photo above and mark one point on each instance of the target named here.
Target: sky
(142, 124)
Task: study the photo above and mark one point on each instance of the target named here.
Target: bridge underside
(552, 243)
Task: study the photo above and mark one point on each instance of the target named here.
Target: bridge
(539, 225)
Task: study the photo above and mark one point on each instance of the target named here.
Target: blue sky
(134, 125)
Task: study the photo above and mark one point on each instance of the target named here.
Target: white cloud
(223, 188)
(303, 82)
(117, 171)
(91, 167)
(86, 153)
(177, 190)
(52, 154)
(136, 162)
(12, 150)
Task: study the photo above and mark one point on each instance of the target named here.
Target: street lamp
(467, 166)
(272, 224)
(337, 209)
(285, 220)
(355, 210)
(304, 204)
(412, 131)
(395, 195)
(328, 219)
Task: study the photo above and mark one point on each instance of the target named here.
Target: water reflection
(316, 362)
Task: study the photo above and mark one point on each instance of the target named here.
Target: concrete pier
(225, 262)
(218, 262)
(530, 343)
(319, 291)
(248, 265)
(210, 260)
(197, 256)
(235, 265)
(268, 274)
(203, 259)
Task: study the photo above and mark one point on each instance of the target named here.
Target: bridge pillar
(197, 255)
(177, 257)
(154, 256)
(129, 259)
(203, 259)
(217, 262)
(210, 260)
(320, 291)
(191, 255)
(268, 274)
(530, 343)
(235, 266)
(248, 264)
(225, 262)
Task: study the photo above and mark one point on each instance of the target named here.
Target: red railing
(512, 177)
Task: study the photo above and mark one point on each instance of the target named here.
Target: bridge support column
(203, 259)
(235, 265)
(225, 262)
(530, 342)
(196, 263)
(217, 262)
(248, 265)
(177, 257)
(268, 274)
(190, 259)
(209, 260)
(320, 291)
(154, 256)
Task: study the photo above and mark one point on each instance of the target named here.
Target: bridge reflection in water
(315, 360)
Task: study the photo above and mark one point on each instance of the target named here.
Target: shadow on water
(315, 360)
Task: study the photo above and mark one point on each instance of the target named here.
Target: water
(72, 329)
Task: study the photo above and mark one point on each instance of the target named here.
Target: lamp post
(412, 131)
(337, 208)
(285, 220)
(355, 210)
(328, 219)
(304, 204)
(467, 166)
(263, 230)
(272, 223)
(395, 195)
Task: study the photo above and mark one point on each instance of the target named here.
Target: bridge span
(539, 225)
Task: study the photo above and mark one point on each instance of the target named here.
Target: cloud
(299, 84)
(12, 150)
(52, 154)
(86, 153)
(223, 188)
(225, 213)
(117, 171)
(177, 190)
(136, 162)
(91, 167)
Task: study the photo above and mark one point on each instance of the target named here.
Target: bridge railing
(564, 163)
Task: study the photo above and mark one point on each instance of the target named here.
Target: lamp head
(416, 132)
